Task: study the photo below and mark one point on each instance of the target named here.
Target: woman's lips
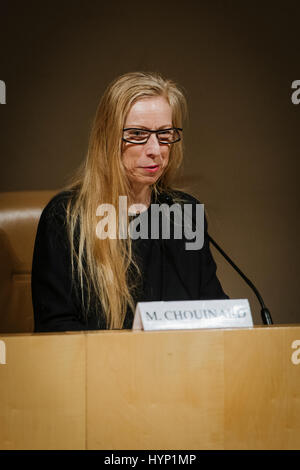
(151, 168)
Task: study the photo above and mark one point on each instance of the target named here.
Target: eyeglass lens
(139, 136)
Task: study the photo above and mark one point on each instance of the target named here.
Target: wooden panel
(201, 389)
(42, 392)
(155, 390)
(262, 389)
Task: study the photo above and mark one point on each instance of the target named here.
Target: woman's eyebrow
(139, 126)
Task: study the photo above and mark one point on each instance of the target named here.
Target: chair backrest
(19, 215)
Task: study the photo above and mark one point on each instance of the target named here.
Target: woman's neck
(140, 197)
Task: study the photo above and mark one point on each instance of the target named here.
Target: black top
(169, 272)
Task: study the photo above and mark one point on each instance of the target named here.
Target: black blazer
(169, 272)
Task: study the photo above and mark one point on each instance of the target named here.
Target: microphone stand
(265, 313)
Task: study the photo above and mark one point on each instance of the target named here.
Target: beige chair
(19, 216)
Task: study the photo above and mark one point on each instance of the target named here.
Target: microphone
(265, 313)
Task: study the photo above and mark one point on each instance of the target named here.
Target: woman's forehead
(150, 110)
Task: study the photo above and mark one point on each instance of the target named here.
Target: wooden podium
(116, 390)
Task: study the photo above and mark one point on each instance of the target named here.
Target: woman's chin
(146, 180)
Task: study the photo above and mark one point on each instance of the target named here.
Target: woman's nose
(152, 146)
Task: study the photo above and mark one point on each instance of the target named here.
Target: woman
(83, 279)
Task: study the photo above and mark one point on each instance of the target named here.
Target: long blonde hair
(102, 266)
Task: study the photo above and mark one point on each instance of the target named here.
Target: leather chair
(19, 216)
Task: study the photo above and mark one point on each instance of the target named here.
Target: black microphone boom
(265, 313)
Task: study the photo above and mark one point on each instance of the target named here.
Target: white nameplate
(193, 314)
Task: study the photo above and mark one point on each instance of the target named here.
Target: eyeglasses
(141, 136)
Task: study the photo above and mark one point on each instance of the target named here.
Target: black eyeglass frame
(152, 132)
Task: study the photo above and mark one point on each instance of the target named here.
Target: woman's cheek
(166, 160)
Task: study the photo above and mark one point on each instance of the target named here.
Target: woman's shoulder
(56, 209)
(172, 196)
(58, 203)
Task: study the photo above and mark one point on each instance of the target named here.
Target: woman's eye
(165, 135)
(139, 133)
(136, 134)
